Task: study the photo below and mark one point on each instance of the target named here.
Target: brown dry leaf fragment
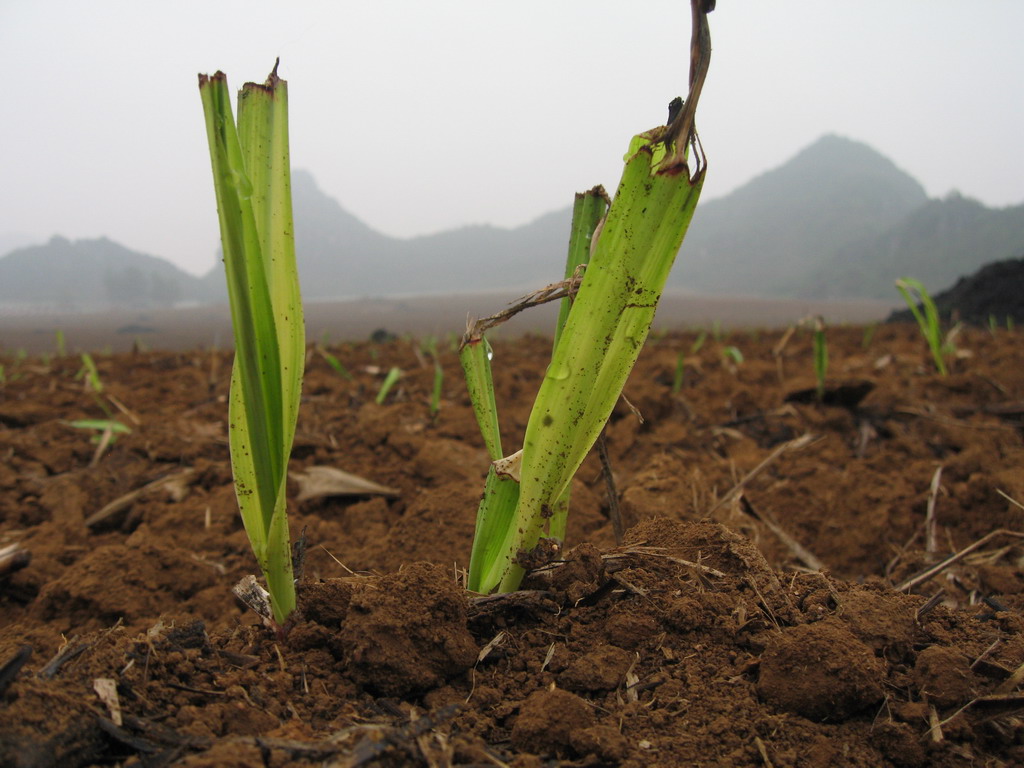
(249, 591)
(319, 482)
(497, 640)
(106, 689)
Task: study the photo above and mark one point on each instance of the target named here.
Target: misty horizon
(420, 119)
(10, 242)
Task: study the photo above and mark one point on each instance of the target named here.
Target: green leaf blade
(602, 338)
(251, 173)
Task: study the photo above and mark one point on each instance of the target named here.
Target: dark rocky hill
(993, 294)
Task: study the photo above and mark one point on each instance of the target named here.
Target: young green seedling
(335, 363)
(677, 378)
(501, 490)
(91, 374)
(733, 354)
(698, 343)
(435, 393)
(252, 181)
(393, 375)
(820, 345)
(630, 257)
(914, 293)
(112, 426)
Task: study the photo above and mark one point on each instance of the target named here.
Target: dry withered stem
(475, 329)
(930, 538)
(10, 668)
(908, 584)
(614, 513)
(800, 552)
(793, 445)
(125, 501)
(381, 740)
(13, 557)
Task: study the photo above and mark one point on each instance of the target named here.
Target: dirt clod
(820, 671)
(943, 676)
(602, 669)
(547, 721)
(407, 632)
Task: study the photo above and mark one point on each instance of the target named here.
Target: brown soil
(743, 621)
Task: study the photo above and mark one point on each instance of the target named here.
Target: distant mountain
(338, 255)
(936, 244)
(764, 238)
(10, 241)
(91, 274)
(838, 220)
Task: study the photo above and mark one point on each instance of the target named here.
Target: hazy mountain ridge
(784, 223)
(340, 255)
(938, 243)
(91, 274)
(838, 220)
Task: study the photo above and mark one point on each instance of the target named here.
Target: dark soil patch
(749, 618)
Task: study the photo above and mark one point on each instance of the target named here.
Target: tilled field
(771, 603)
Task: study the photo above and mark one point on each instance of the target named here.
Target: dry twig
(908, 584)
(475, 329)
(125, 501)
(793, 445)
(800, 552)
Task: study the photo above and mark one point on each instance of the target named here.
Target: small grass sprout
(335, 363)
(101, 426)
(60, 343)
(438, 388)
(820, 347)
(868, 336)
(392, 377)
(733, 354)
(90, 373)
(927, 315)
(252, 181)
(698, 343)
(677, 377)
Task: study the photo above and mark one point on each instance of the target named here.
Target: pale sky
(424, 116)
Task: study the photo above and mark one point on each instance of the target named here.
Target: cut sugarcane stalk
(253, 186)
